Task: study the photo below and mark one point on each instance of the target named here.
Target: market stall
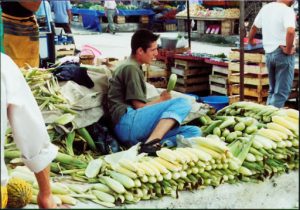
(92, 19)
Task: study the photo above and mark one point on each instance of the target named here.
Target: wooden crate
(155, 74)
(189, 72)
(63, 50)
(260, 80)
(252, 69)
(159, 63)
(218, 89)
(120, 19)
(236, 98)
(233, 99)
(144, 19)
(188, 80)
(217, 70)
(227, 27)
(170, 27)
(191, 88)
(256, 92)
(218, 79)
(248, 57)
(159, 83)
(187, 64)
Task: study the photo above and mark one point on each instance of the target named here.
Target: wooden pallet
(63, 50)
(159, 83)
(248, 57)
(120, 19)
(218, 89)
(188, 80)
(258, 80)
(253, 91)
(187, 64)
(189, 72)
(170, 27)
(236, 98)
(217, 70)
(144, 19)
(218, 79)
(248, 69)
(191, 88)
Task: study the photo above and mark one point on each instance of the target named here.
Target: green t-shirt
(126, 84)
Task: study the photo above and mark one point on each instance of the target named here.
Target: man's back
(274, 19)
(60, 10)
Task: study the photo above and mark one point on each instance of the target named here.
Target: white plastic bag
(182, 42)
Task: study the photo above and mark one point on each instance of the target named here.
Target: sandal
(151, 147)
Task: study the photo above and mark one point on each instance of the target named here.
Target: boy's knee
(184, 102)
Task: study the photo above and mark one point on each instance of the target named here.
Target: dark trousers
(65, 26)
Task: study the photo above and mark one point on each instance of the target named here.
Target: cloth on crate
(73, 71)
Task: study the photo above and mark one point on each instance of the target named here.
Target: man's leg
(138, 125)
(271, 75)
(284, 79)
(110, 18)
(187, 131)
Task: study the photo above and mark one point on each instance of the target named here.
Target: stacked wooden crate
(120, 19)
(157, 74)
(144, 19)
(192, 75)
(218, 80)
(256, 83)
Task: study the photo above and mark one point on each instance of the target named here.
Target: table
(91, 20)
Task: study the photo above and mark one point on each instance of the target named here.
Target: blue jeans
(281, 75)
(110, 18)
(136, 125)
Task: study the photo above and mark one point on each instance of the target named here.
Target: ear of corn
(123, 179)
(172, 82)
(166, 154)
(85, 134)
(101, 187)
(93, 168)
(124, 171)
(66, 199)
(293, 113)
(170, 166)
(283, 122)
(269, 134)
(280, 128)
(113, 184)
(128, 164)
(105, 197)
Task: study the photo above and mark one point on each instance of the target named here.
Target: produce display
(97, 7)
(200, 11)
(243, 142)
(126, 7)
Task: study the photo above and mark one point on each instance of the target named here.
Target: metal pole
(242, 35)
(189, 22)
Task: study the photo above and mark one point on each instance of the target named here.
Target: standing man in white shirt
(277, 21)
(19, 107)
(110, 7)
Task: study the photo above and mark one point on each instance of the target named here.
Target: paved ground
(118, 45)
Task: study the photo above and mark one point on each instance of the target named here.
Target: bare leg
(163, 126)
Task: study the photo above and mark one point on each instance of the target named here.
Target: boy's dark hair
(142, 38)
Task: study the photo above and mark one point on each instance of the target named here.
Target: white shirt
(274, 19)
(19, 107)
(110, 4)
